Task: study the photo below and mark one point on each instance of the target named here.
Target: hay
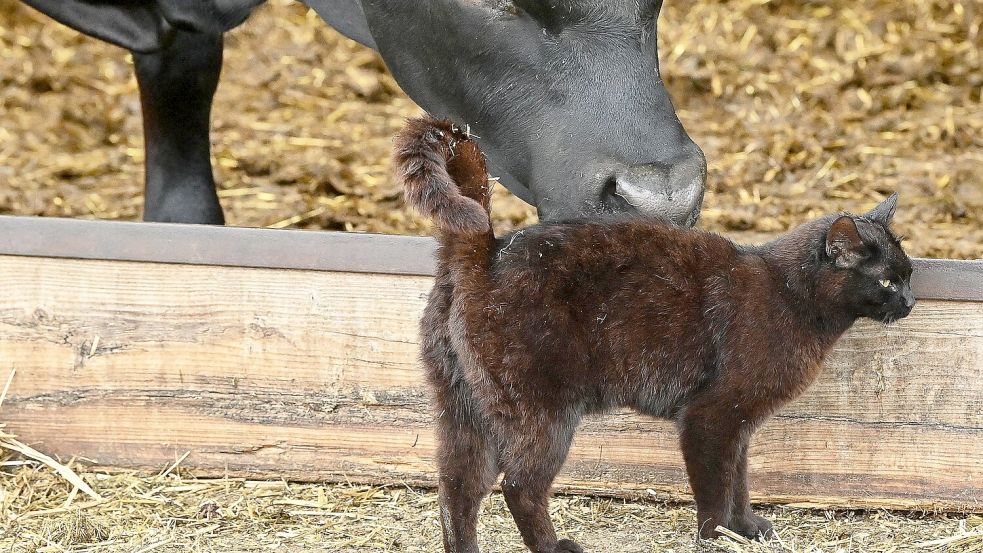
(6, 387)
(9, 442)
(177, 513)
(77, 528)
(801, 107)
(808, 106)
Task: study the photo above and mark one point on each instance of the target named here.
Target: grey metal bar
(214, 245)
(946, 279)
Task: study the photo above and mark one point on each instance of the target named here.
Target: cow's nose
(673, 191)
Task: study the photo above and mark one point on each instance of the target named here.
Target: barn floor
(171, 514)
(802, 108)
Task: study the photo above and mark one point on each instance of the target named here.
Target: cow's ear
(135, 26)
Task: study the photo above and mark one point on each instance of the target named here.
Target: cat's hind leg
(467, 470)
(533, 450)
(466, 454)
(466, 458)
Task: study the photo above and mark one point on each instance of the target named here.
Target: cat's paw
(568, 546)
(752, 526)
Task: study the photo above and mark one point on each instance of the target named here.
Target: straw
(142, 512)
(801, 108)
(9, 442)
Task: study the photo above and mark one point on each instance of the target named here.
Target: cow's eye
(885, 283)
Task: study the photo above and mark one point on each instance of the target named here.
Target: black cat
(524, 335)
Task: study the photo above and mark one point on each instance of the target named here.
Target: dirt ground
(802, 108)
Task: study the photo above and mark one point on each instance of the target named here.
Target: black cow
(565, 94)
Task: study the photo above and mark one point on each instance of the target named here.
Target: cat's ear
(843, 243)
(884, 212)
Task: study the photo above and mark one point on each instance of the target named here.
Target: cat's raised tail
(444, 176)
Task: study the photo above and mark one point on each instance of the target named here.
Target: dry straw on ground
(801, 107)
(173, 513)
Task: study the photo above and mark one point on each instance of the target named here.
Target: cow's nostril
(611, 199)
(610, 187)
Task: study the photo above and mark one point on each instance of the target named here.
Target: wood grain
(313, 375)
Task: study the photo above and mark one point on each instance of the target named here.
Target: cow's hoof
(752, 526)
(568, 546)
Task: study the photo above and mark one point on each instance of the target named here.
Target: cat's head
(866, 269)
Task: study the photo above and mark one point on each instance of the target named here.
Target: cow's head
(565, 96)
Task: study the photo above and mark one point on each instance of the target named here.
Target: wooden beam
(313, 375)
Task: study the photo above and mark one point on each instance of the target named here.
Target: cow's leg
(176, 89)
(532, 455)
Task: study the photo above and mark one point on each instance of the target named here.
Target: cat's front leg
(743, 520)
(711, 443)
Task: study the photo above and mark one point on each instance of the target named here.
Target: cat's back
(596, 252)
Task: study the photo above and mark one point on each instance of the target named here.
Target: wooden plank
(313, 375)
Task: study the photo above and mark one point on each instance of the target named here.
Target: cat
(524, 335)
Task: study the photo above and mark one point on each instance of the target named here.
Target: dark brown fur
(524, 335)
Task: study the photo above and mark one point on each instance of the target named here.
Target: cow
(565, 95)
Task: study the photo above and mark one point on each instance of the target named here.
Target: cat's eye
(885, 283)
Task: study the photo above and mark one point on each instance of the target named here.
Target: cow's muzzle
(673, 191)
